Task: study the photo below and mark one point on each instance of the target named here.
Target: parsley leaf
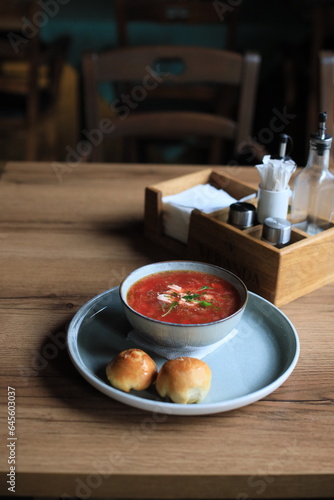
(173, 304)
(204, 303)
(191, 296)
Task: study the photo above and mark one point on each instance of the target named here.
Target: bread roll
(131, 369)
(184, 380)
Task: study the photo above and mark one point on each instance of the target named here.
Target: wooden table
(65, 239)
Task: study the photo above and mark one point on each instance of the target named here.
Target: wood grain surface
(68, 233)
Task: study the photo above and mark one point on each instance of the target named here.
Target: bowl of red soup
(183, 303)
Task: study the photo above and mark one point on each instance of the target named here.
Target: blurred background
(287, 35)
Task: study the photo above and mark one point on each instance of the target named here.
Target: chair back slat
(133, 63)
(181, 12)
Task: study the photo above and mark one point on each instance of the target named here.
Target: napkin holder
(278, 275)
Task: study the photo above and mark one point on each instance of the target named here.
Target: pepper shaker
(276, 231)
(242, 214)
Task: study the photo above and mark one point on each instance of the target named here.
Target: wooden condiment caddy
(278, 275)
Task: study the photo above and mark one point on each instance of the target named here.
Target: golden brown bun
(184, 380)
(131, 369)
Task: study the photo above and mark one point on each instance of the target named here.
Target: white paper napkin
(177, 208)
(176, 352)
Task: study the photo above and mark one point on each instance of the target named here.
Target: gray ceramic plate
(245, 369)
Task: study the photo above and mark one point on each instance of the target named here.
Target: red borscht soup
(184, 297)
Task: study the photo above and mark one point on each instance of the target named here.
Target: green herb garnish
(191, 296)
(173, 304)
(204, 303)
(205, 288)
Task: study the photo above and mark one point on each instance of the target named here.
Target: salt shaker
(276, 231)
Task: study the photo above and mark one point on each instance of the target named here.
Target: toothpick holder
(272, 204)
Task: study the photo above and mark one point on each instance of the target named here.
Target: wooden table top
(67, 235)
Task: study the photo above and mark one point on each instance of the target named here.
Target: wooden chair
(142, 67)
(326, 91)
(182, 12)
(29, 78)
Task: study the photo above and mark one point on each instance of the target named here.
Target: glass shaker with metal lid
(312, 207)
(276, 231)
(242, 215)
